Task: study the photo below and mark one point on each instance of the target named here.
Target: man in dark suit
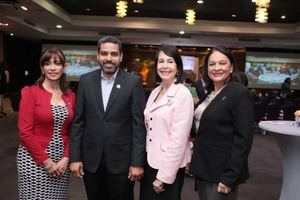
(108, 136)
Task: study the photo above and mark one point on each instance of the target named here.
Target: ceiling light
(138, 1)
(190, 16)
(58, 26)
(208, 49)
(181, 32)
(11, 34)
(261, 15)
(3, 24)
(262, 6)
(282, 17)
(136, 11)
(88, 9)
(263, 3)
(233, 15)
(200, 1)
(24, 8)
(121, 8)
(253, 1)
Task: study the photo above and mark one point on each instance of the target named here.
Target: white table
(287, 135)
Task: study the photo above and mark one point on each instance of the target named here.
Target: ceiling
(209, 10)
(157, 21)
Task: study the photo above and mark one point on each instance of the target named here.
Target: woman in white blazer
(168, 119)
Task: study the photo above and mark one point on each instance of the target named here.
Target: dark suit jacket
(200, 89)
(224, 137)
(117, 134)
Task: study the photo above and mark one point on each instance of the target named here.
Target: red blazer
(36, 121)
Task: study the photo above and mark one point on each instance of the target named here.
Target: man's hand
(135, 173)
(77, 169)
(223, 188)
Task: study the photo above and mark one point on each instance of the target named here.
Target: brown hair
(225, 51)
(172, 52)
(47, 54)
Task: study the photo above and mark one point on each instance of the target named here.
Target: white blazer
(168, 124)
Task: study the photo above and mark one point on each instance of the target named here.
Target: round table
(287, 135)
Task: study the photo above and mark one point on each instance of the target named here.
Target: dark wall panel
(21, 56)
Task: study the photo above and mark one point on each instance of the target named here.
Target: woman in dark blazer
(224, 122)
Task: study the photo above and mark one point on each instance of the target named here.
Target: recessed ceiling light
(88, 9)
(58, 26)
(282, 17)
(11, 34)
(253, 1)
(200, 1)
(24, 8)
(181, 32)
(136, 11)
(233, 15)
(208, 49)
(138, 1)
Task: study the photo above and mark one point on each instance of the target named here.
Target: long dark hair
(47, 54)
(209, 85)
(171, 51)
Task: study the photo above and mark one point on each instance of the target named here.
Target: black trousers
(171, 192)
(102, 185)
(208, 191)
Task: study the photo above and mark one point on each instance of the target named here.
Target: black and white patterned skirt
(33, 180)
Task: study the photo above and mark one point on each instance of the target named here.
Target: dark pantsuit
(171, 192)
(104, 185)
(208, 191)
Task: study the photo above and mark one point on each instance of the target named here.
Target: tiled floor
(265, 167)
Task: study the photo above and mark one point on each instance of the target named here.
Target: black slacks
(208, 191)
(171, 192)
(102, 185)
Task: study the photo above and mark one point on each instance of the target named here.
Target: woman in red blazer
(45, 116)
(225, 125)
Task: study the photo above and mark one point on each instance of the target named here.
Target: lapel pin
(223, 98)
(118, 86)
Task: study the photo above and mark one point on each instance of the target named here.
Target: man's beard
(111, 69)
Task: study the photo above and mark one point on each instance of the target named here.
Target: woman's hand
(223, 188)
(50, 167)
(158, 186)
(62, 165)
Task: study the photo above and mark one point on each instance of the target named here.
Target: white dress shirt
(106, 87)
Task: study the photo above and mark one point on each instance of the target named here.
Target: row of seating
(275, 111)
